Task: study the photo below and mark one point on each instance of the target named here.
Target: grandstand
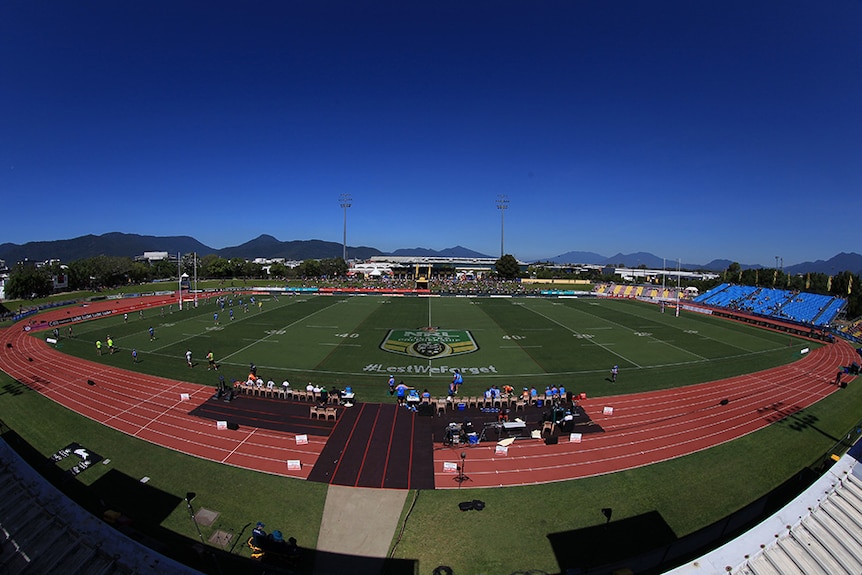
(43, 531)
(818, 532)
(852, 331)
(785, 305)
(636, 291)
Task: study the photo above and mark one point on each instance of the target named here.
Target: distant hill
(578, 258)
(851, 262)
(266, 246)
(90, 246)
(641, 259)
(456, 252)
(721, 265)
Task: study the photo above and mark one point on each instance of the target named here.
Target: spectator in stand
(323, 395)
(259, 535)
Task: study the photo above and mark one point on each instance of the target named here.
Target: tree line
(28, 281)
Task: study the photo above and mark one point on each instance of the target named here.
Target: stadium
(623, 477)
(205, 369)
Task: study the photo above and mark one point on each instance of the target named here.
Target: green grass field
(523, 342)
(528, 341)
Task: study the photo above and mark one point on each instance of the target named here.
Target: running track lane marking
(346, 443)
(239, 444)
(820, 371)
(389, 449)
(151, 421)
(367, 447)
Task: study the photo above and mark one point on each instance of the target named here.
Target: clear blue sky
(692, 130)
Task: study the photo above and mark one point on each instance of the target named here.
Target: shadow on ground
(141, 508)
(590, 547)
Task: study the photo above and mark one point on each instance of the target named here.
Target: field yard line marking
(570, 330)
(284, 327)
(655, 339)
(667, 324)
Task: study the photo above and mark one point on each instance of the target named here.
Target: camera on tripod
(458, 433)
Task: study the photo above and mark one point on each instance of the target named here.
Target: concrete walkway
(357, 528)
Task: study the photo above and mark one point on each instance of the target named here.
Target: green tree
(236, 267)
(309, 269)
(140, 272)
(333, 267)
(217, 267)
(278, 270)
(733, 272)
(163, 269)
(27, 282)
(507, 267)
(251, 270)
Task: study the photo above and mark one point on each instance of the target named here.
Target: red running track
(642, 428)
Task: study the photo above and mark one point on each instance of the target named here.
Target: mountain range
(851, 262)
(266, 246)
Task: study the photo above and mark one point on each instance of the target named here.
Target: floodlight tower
(502, 205)
(344, 200)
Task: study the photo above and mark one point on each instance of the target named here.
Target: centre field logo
(429, 343)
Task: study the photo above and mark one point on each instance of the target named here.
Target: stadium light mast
(196, 278)
(344, 200)
(663, 274)
(502, 205)
(180, 279)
